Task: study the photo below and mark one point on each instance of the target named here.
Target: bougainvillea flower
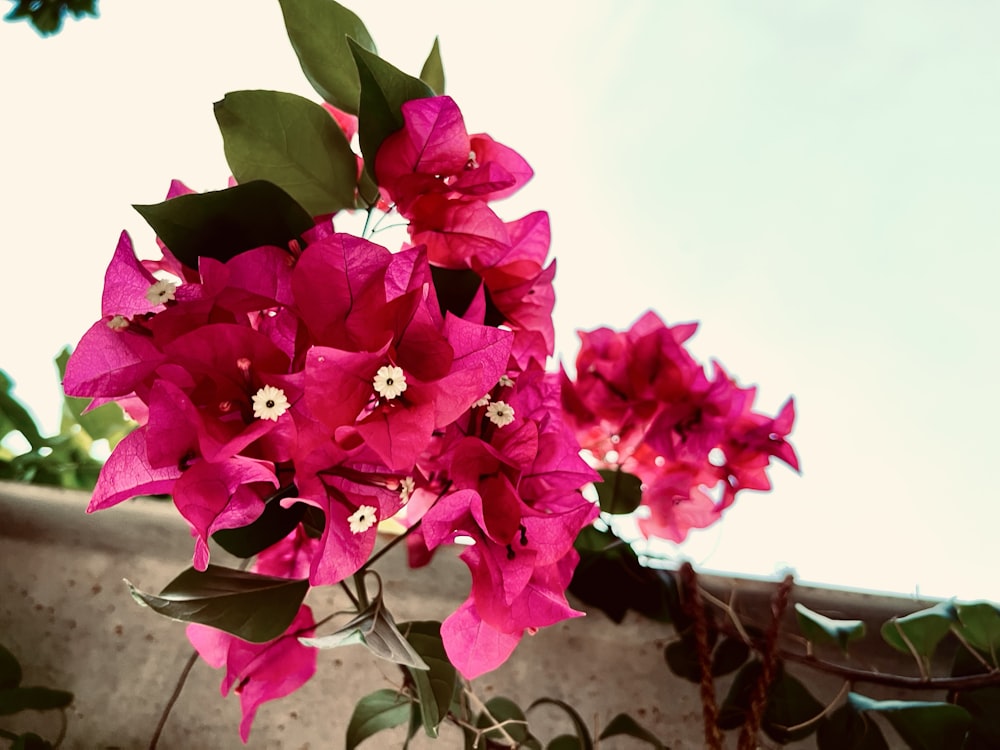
(127, 473)
(258, 672)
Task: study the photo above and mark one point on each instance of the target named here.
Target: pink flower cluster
(326, 371)
(642, 404)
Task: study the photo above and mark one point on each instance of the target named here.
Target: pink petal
(473, 646)
(127, 473)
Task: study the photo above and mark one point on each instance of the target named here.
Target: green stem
(173, 699)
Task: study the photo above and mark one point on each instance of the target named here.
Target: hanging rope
(695, 609)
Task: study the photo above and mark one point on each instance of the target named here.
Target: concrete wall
(66, 614)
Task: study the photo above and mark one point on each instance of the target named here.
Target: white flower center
(269, 403)
(500, 413)
(483, 401)
(389, 381)
(506, 382)
(406, 489)
(362, 519)
(160, 292)
(118, 323)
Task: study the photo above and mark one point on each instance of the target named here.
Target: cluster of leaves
(64, 460)
(46, 16)
(965, 637)
(15, 697)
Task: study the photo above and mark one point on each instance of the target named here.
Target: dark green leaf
(14, 412)
(273, 525)
(729, 655)
(435, 685)
(377, 631)
(223, 223)
(682, 658)
(610, 577)
(846, 729)
(253, 607)
(384, 90)
(582, 733)
(564, 742)
(17, 699)
(503, 711)
(455, 289)
(923, 629)
(318, 31)
(979, 625)
(620, 492)
(790, 704)
(380, 710)
(30, 741)
(433, 71)
(623, 724)
(818, 628)
(984, 707)
(292, 142)
(922, 725)
(734, 708)
(106, 422)
(10, 669)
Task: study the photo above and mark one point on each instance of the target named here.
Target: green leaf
(318, 31)
(790, 704)
(376, 630)
(979, 625)
(923, 629)
(14, 412)
(729, 655)
(734, 707)
(13, 700)
(984, 707)
(223, 223)
(564, 742)
(498, 711)
(922, 725)
(435, 685)
(30, 741)
(273, 525)
(610, 577)
(433, 71)
(846, 729)
(383, 709)
(10, 669)
(620, 492)
(253, 607)
(818, 628)
(384, 90)
(289, 141)
(582, 733)
(682, 658)
(623, 724)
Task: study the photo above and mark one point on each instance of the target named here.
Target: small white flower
(505, 382)
(118, 323)
(389, 381)
(162, 291)
(500, 413)
(269, 403)
(362, 519)
(483, 401)
(406, 489)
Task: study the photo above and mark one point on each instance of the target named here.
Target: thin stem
(368, 220)
(498, 725)
(389, 545)
(173, 699)
(971, 650)
(350, 595)
(844, 690)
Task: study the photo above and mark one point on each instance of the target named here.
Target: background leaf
(433, 71)
(979, 625)
(582, 733)
(10, 669)
(818, 628)
(13, 700)
(924, 629)
(289, 141)
(384, 90)
(623, 724)
(223, 223)
(253, 607)
(317, 30)
(790, 704)
(380, 710)
(846, 729)
(273, 525)
(499, 710)
(435, 685)
(922, 725)
(620, 492)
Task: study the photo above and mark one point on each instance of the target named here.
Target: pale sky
(816, 182)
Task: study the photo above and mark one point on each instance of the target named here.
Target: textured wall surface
(67, 615)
